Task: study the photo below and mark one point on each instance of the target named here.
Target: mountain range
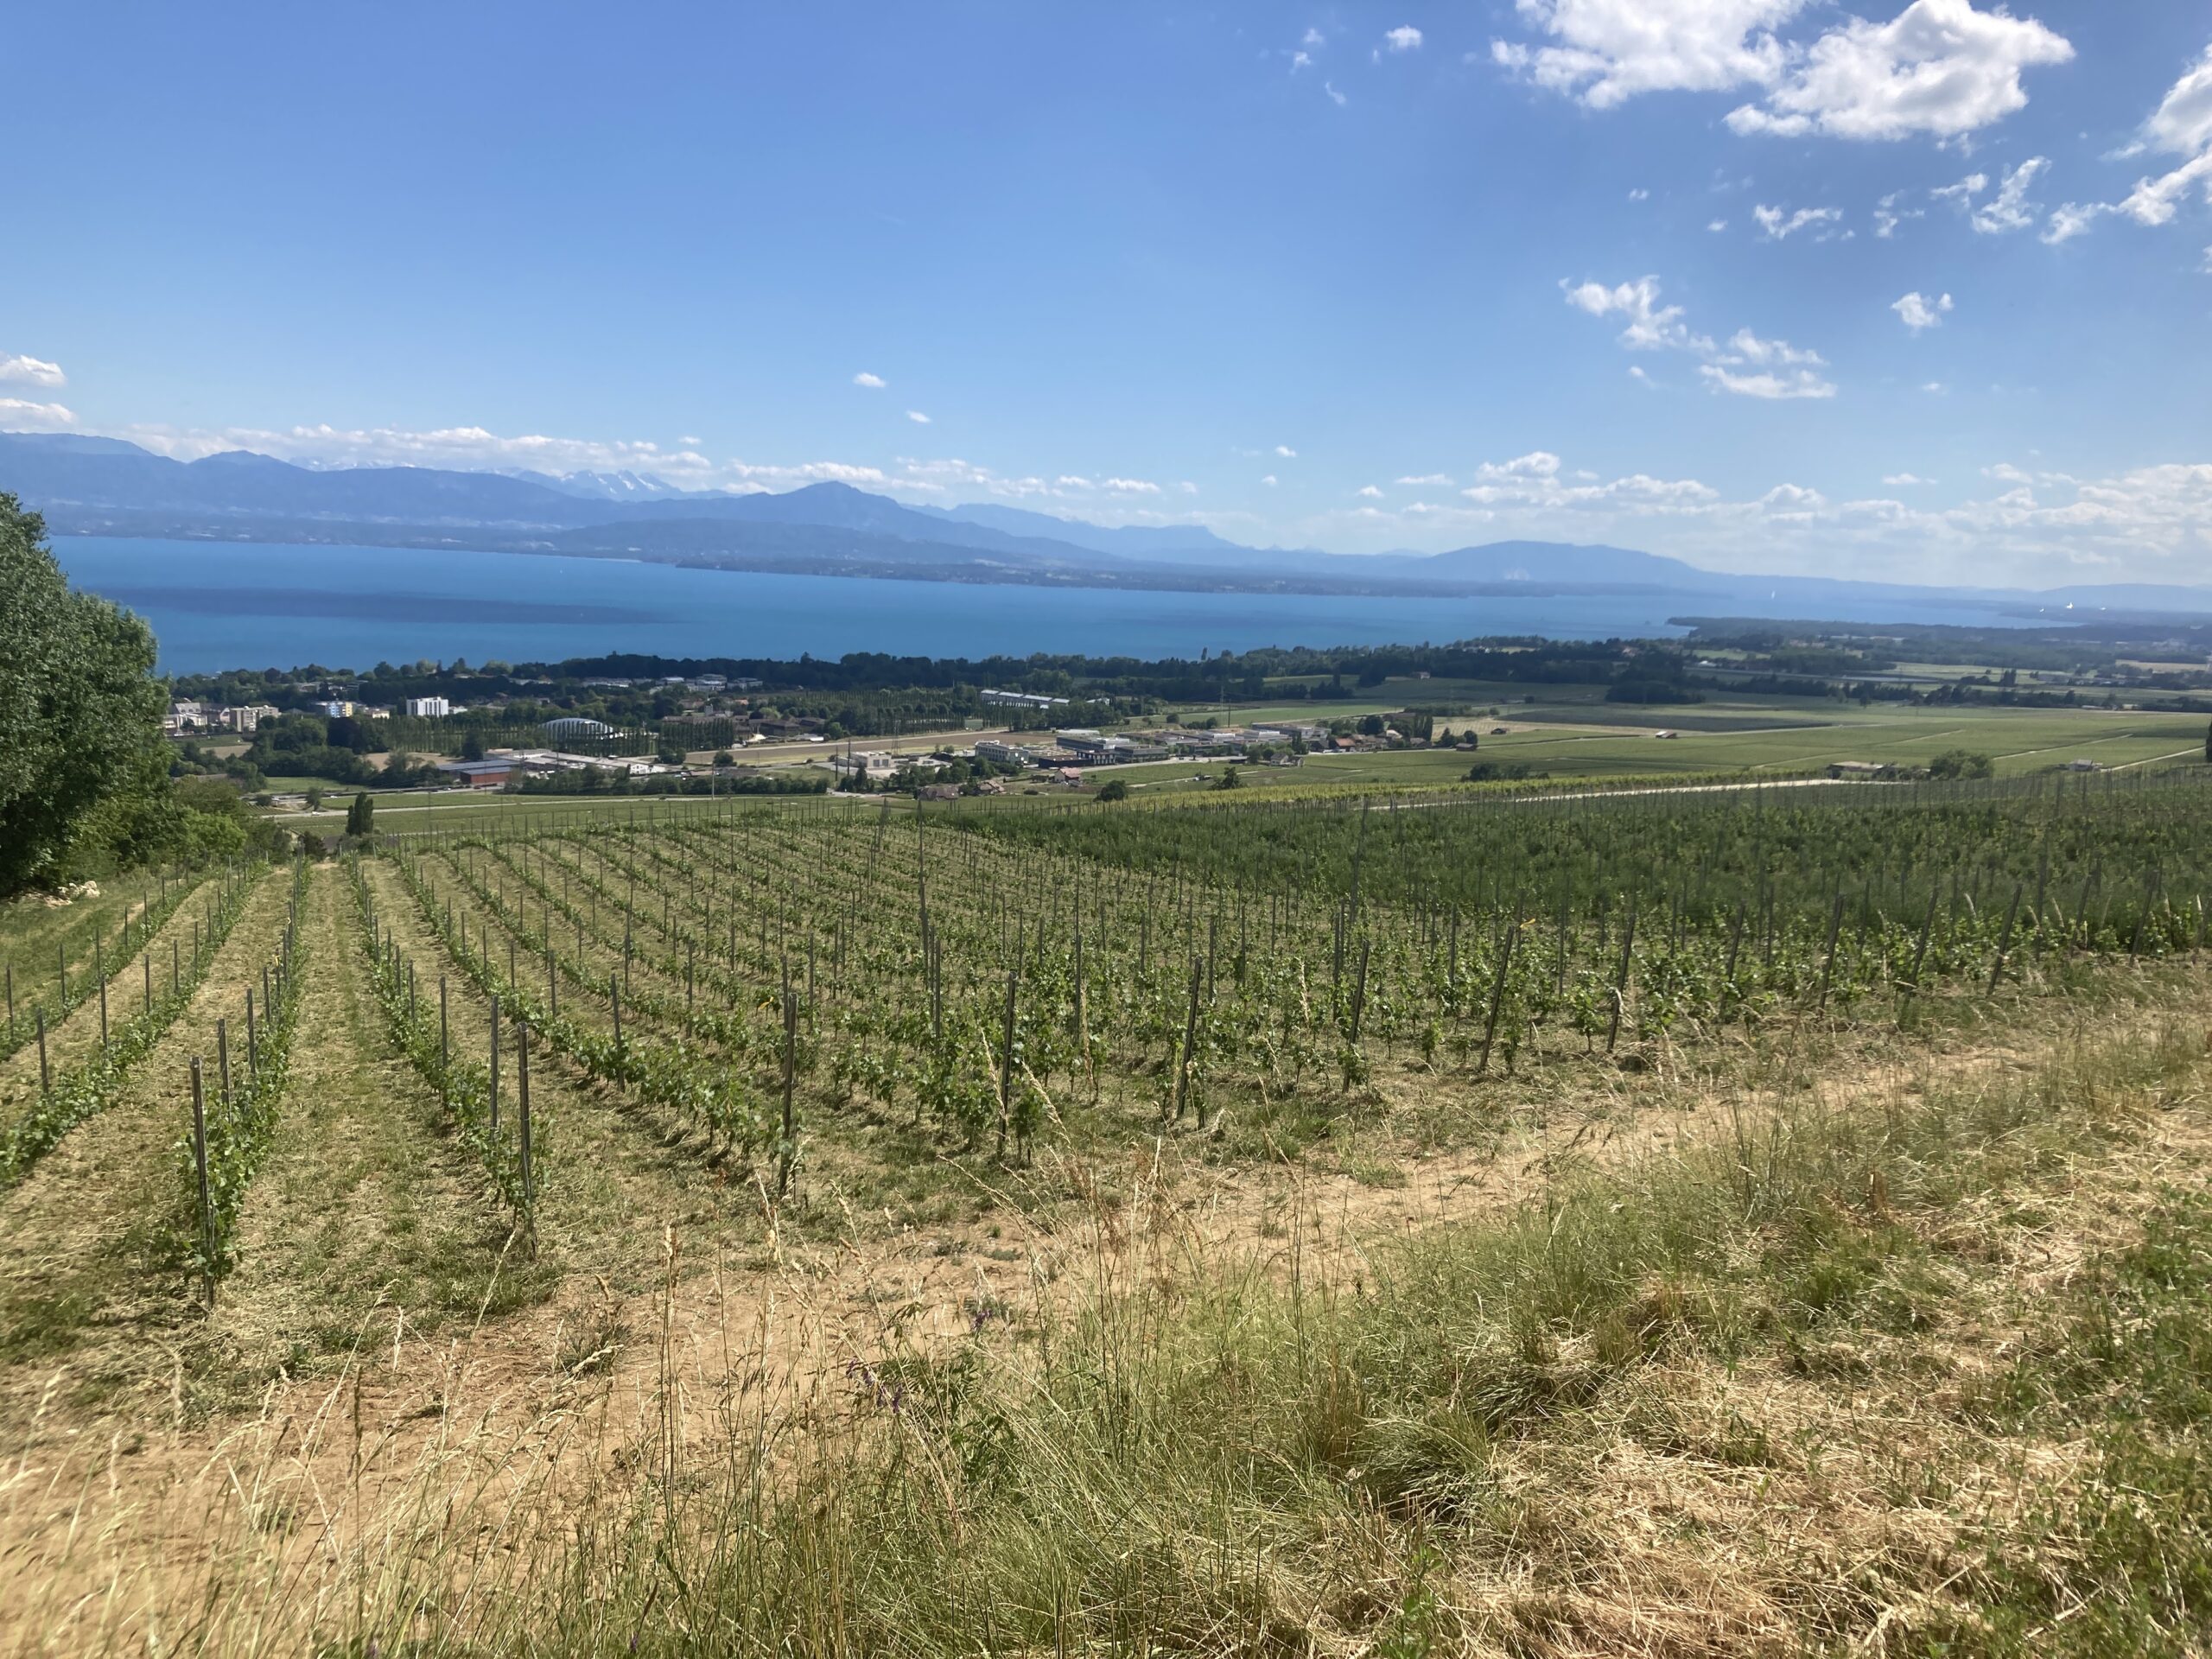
(94, 486)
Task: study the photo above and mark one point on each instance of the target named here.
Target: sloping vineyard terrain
(465, 1125)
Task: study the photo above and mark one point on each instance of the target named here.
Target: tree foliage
(81, 713)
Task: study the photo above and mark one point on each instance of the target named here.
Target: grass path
(364, 1212)
(93, 1297)
(608, 1178)
(76, 1037)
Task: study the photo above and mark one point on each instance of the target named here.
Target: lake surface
(240, 605)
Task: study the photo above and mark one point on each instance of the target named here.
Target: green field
(1802, 738)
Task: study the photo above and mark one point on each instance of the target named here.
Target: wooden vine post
(200, 1165)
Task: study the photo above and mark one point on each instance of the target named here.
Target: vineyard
(993, 979)
(454, 1079)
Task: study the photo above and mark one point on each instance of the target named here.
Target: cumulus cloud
(1939, 68)
(1404, 38)
(1606, 51)
(2034, 528)
(1779, 223)
(1888, 215)
(1920, 311)
(1286, 452)
(1129, 485)
(1777, 370)
(1747, 347)
(1426, 481)
(2008, 210)
(1312, 37)
(2183, 122)
(1651, 327)
(31, 371)
(1270, 481)
(1369, 492)
(1335, 96)
(1795, 383)
(2181, 125)
(918, 417)
(872, 382)
(21, 414)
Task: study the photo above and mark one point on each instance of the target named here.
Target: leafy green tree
(81, 711)
(361, 814)
(1959, 763)
(1115, 789)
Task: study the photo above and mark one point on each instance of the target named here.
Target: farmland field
(844, 1226)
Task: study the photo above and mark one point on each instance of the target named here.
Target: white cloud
(918, 417)
(1651, 327)
(2005, 211)
(1888, 215)
(1286, 452)
(1639, 194)
(1939, 68)
(1745, 347)
(1778, 223)
(1717, 225)
(1636, 373)
(2031, 528)
(1269, 480)
(1335, 96)
(1537, 463)
(2183, 122)
(2153, 200)
(1130, 486)
(1919, 312)
(1371, 492)
(1426, 481)
(1312, 37)
(1797, 383)
(1299, 60)
(1963, 192)
(2072, 220)
(31, 371)
(690, 443)
(1187, 488)
(1608, 51)
(872, 382)
(19, 415)
(1404, 38)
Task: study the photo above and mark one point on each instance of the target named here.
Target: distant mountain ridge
(94, 486)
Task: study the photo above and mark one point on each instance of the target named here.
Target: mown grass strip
(91, 1087)
(1431, 1460)
(242, 1122)
(23, 1020)
(463, 1086)
(696, 1086)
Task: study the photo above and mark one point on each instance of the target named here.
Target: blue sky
(1711, 278)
